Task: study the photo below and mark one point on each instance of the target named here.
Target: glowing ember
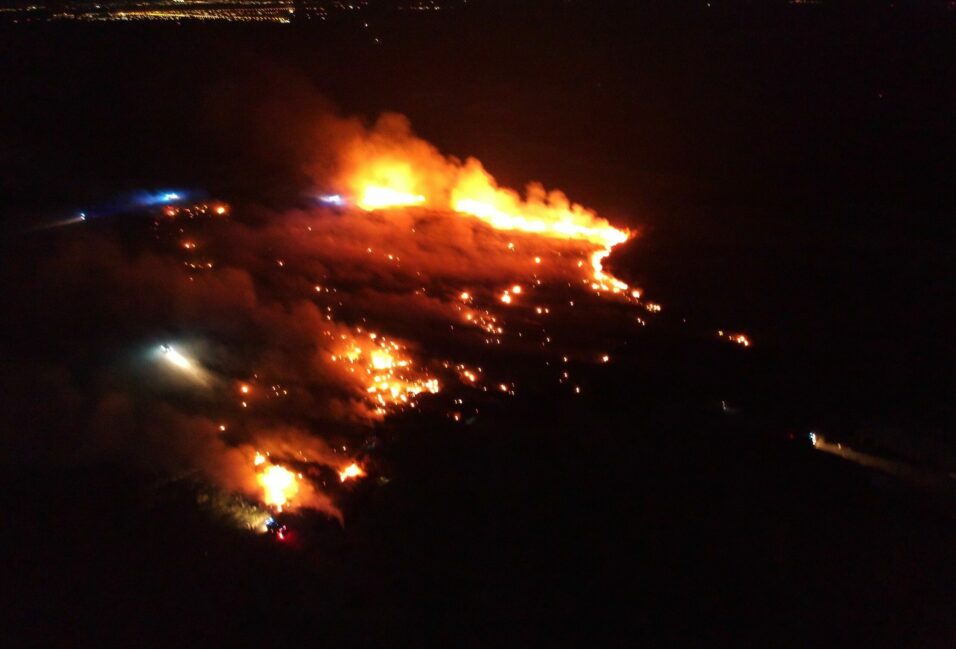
(738, 338)
(388, 376)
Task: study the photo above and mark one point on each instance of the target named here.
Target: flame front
(549, 214)
(391, 168)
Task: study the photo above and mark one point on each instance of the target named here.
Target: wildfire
(469, 265)
(376, 197)
(351, 471)
(393, 168)
(549, 214)
(389, 377)
(279, 485)
(603, 281)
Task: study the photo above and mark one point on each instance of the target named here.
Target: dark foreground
(562, 527)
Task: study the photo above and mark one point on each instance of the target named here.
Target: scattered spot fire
(739, 338)
(390, 378)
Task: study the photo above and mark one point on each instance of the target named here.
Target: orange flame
(376, 197)
(351, 471)
(279, 485)
(390, 167)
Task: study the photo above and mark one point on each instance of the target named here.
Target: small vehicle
(275, 527)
